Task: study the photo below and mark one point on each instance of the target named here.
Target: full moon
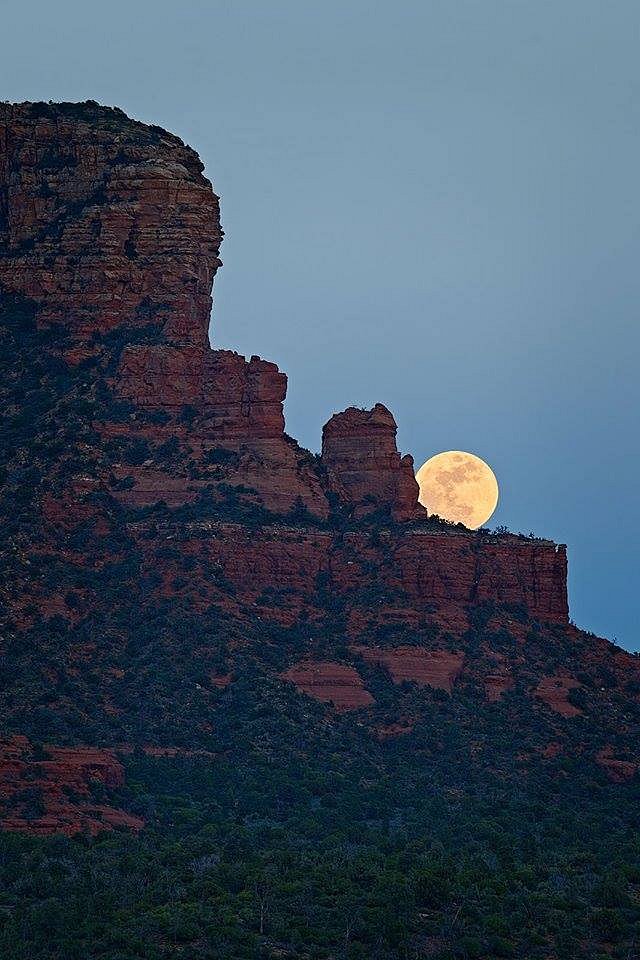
(458, 486)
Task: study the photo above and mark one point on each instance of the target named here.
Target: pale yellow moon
(458, 486)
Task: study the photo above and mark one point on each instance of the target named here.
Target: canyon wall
(401, 575)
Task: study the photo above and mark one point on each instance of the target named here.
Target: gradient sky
(431, 203)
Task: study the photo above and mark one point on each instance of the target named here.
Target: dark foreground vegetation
(320, 845)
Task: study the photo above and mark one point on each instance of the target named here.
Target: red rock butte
(149, 472)
(111, 230)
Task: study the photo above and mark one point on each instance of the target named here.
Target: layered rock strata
(106, 223)
(165, 538)
(366, 471)
(51, 791)
(111, 232)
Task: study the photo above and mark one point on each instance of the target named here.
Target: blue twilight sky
(431, 203)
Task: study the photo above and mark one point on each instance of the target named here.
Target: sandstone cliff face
(110, 230)
(105, 223)
(442, 574)
(160, 525)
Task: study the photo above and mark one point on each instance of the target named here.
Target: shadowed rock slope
(363, 732)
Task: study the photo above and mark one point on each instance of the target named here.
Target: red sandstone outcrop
(498, 679)
(390, 730)
(334, 683)
(551, 750)
(365, 469)
(106, 222)
(554, 692)
(420, 573)
(431, 668)
(161, 376)
(112, 232)
(110, 228)
(242, 399)
(36, 791)
(221, 680)
(497, 683)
